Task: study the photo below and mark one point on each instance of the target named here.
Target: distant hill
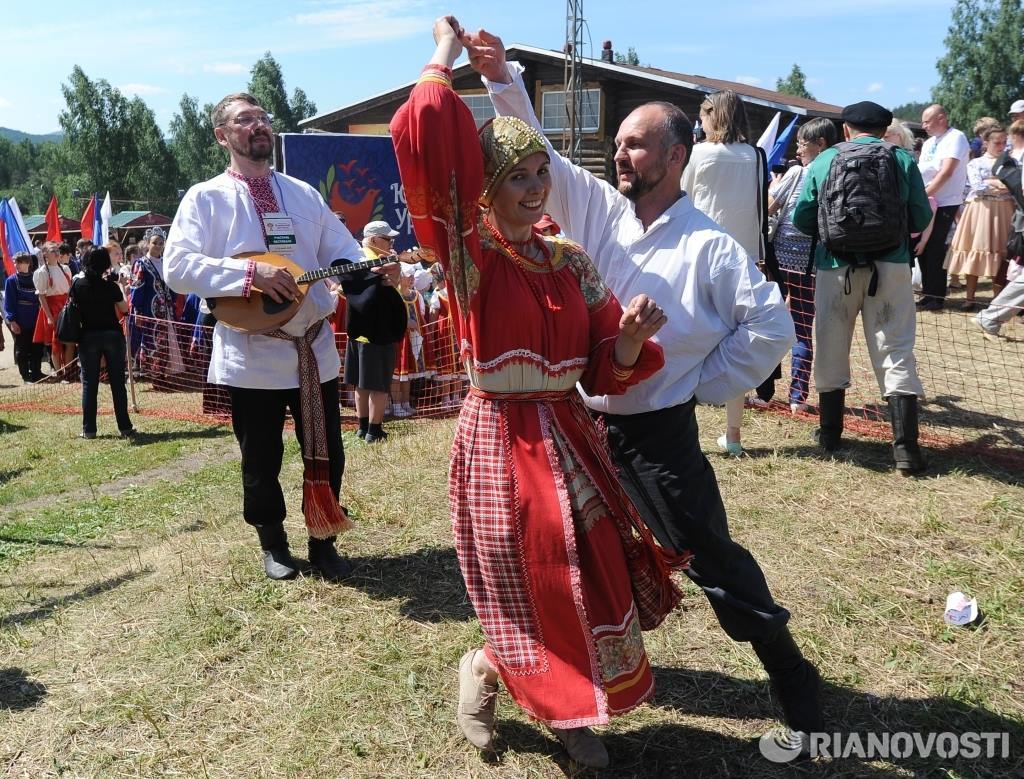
(16, 136)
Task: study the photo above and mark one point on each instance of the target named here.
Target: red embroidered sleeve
(442, 170)
(250, 273)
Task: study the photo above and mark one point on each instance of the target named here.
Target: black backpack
(860, 213)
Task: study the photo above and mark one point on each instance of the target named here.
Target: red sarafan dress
(558, 565)
(414, 354)
(443, 338)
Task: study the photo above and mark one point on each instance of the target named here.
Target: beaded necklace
(528, 266)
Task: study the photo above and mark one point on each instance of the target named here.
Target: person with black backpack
(860, 202)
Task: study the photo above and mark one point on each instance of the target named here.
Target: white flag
(105, 213)
(767, 141)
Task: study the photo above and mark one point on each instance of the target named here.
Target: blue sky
(340, 51)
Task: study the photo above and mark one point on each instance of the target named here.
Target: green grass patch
(44, 457)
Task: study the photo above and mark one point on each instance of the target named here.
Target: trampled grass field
(138, 636)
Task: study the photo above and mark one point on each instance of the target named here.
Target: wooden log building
(612, 91)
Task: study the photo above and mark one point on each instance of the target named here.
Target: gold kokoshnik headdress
(505, 141)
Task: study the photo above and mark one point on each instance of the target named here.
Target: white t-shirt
(952, 144)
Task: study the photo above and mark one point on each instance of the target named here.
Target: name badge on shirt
(280, 233)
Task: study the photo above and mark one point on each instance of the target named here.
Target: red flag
(8, 264)
(88, 216)
(53, 222)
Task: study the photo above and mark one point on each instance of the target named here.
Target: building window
(554, 117)
(481, 107)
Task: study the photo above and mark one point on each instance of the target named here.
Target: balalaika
(260, 313)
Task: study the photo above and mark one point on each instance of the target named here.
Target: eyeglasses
(249, 120)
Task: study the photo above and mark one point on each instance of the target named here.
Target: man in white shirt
(943, 166)
(246, 209)
(727, 329)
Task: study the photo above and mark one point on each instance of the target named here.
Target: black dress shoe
(327, 562)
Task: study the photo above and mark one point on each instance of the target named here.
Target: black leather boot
(277, 560)
(903, 416)
(796, 682)
(831, 406)
(326, 560)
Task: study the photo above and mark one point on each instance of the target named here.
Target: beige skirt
(979, 244)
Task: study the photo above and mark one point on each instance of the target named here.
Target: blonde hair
(906, 136)
(1017, 128)
(984, 124)
(111, 244)
(727, 116)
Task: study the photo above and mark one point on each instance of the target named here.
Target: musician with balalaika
(255, 243)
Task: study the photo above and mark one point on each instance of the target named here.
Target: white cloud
(142, 89)
(368, 22)
(5, 103)
(224, 68)
(913, 90)
(875, 86)
(750, 81)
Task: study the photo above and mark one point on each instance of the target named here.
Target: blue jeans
(110, 344)
(801, 307)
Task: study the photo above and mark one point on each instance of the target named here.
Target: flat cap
(867, 114)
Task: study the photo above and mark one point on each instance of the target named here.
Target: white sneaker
(409, 410)
(991, 335)
(399, 412)
(799, 408)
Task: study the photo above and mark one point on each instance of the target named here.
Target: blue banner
(356, 174)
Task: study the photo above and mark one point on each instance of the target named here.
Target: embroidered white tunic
(218, 220)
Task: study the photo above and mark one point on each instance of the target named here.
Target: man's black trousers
(934, 278)
(663, 470)
(257, 416)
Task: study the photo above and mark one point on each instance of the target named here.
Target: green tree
(114, 144)
(629, 58)
(794, 84)
(153, 176)
(910, 112)
(98, 143)
(198, 155)
(982, 71)
(266, 84)
(302, 107)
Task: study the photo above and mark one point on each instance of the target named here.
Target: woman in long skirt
(558, 565)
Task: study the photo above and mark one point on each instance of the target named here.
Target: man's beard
(253, 154)
(641, 185)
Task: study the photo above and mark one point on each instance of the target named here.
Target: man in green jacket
(875, 284)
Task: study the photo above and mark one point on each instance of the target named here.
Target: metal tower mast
(572, 138)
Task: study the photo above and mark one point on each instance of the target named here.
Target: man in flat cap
(861, 200)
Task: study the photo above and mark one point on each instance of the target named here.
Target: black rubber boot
(796, 682)
(903, 416)
(277, 560)
(831, 406)
(326, 560)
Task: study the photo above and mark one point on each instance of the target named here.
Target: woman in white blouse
(727, 180)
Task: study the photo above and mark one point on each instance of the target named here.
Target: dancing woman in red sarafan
(558, 565)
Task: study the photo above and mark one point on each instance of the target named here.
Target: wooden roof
(633, 73)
